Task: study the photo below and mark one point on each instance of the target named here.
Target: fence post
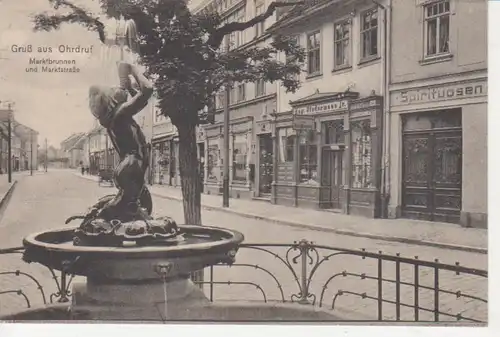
(304, 291)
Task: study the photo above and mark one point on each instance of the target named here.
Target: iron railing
(377, 286)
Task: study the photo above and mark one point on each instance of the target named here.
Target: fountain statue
(119, 246)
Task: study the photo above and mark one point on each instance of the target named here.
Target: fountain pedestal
(140, 302)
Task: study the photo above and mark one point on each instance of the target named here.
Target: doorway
(432, 166)
(265, 164)
(332, 172)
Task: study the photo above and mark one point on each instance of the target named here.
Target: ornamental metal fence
(368, 286)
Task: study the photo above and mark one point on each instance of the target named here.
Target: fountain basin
(200, 247)
(132, 281)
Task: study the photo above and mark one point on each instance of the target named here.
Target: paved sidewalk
(441, 235)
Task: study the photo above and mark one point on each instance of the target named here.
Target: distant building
(24, 147)
(72, 149)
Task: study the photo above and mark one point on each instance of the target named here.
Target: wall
(465, 65)
(468, 40)
(362, 78)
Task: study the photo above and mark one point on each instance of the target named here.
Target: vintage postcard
(238, 161)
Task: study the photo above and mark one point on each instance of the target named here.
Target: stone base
(139, 302)
(475, 220)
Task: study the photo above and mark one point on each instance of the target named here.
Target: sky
(54, 104)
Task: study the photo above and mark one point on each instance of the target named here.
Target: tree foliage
(183, 50)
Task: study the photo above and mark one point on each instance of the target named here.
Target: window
(313, 53)
(308, 156)
(342, 44)
(286, 141)
(437, 28)
(213, 160)
(361, 154)
(240, 35)
(259, 9)
(240, 157)
(241, 92)
(232, 95)
(334, 132)
(289, 58)
(369, 34)
(158, 116)
(260, 88)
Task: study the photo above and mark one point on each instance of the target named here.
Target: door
(432, 175)
(332, 176)
(265, 164)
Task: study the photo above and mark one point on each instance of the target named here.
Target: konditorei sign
(439, 93)
(321, 108)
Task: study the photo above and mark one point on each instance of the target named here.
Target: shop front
(263, 170)
(164, 163)
(439, 152)
(240, 145)
(328, 153)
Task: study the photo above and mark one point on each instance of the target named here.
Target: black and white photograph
(320, 162)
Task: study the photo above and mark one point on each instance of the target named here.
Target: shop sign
(303, 122)
(442, 93)
(321, 108)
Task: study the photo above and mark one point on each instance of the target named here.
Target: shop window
(437, 28)
(361, 154)
(286, 140)
(239, 157)
(308, 155)
(213, 160)
(314, 53)
(342, 44)
(369, 34)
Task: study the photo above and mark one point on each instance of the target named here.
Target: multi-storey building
(438, 102)
(327, 136)
(250, 104)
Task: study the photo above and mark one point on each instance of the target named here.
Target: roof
(287, 15)
(69, 142)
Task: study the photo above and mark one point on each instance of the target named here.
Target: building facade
(438, 120)
(327, 136)
(24, 148)
(250, 162)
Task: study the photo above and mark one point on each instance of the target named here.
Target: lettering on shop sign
(440, 93)
(320, 108)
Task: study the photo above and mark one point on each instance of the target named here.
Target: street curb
(388, 238)
(4, 201)
(341, 231)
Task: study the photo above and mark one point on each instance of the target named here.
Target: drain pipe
(386, 118)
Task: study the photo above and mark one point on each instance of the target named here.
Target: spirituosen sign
(303, 122)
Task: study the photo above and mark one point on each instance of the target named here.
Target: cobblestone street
(44, 201)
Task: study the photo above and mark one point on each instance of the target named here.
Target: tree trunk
(190, 175)
(190, 183)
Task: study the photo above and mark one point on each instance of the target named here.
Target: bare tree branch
(79, 15)
(217, 36)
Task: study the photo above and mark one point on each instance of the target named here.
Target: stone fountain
(138, 267)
